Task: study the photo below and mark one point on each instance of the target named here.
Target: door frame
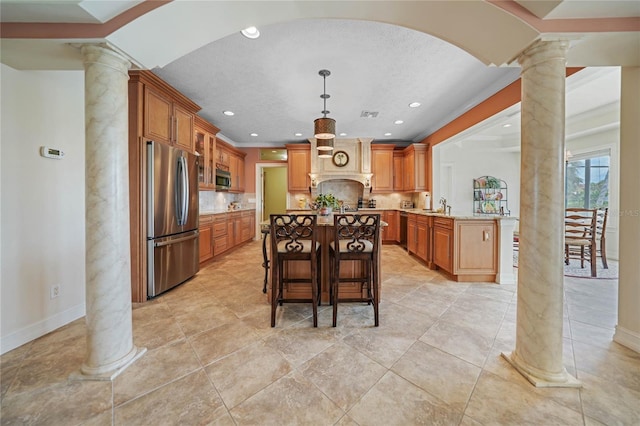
(259, 195)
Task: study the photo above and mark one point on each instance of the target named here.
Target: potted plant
(325, 203)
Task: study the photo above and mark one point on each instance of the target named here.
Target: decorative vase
(325, 211)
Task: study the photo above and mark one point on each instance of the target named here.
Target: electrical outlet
(55, 291)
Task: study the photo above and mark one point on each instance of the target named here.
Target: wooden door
(382, 169)
(298, 167)
(206, 238)
(392, 217)
(200, 146)
(421, 241)
(476, 247)
(157, 116)
(183, 128)
(443, 248)
(398, 171)
(412, 237)
(409, 171)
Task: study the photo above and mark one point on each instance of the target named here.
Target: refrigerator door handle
(182, 191)
(177, 240)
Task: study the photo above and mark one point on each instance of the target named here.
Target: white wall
(42, 203)
(470, 160)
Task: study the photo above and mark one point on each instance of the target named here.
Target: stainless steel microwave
(223, 180)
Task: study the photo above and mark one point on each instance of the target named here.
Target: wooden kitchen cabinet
(467, 249)
(158, 112)
(236, 168)
(382, 168)
(398, 171)
(206, 237)
(247, 219)
(443, 243)
(298, 167)
(165, 120)
(222, 158)
(220, 234)
(476, 247)
(392, 231)
(205, 147)
(422, 247)
(389, 233)
(415, 168)
(418, 241)
(232, 159)
(412, 233)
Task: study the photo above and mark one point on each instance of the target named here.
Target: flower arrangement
(325, 200)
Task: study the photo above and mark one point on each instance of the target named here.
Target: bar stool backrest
(357, 233)
(293, 233)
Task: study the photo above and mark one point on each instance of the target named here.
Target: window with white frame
(587, 180)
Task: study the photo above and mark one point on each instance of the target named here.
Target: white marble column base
(562, 380)
(113, 372)
(627, 338)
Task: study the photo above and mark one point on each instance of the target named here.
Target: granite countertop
(208, 212)
(366, 209)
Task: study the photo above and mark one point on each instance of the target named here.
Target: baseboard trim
(40, 328)
(627, 338)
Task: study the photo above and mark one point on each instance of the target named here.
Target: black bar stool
(293, 238)
(356, 237)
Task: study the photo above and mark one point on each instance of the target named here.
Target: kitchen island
(299, 269)
(463, 247)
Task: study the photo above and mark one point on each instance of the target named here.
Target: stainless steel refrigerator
(172, 227)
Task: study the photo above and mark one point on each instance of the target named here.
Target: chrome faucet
(443, 204)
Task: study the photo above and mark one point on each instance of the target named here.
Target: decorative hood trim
(358, 169)
(363, 178)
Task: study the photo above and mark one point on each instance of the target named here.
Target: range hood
(357, 168)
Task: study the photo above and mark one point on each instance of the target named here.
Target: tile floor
(435, 359)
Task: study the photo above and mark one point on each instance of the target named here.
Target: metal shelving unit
(490, 197)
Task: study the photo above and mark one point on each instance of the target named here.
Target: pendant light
(326, 149)
(325, 128)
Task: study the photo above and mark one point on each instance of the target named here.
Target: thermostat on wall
(45, 151)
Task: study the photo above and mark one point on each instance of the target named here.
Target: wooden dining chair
(601, 229)
(356, 237)
(294, 238)
(580, 236)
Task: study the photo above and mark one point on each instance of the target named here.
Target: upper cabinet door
(382, 168)
(183, 128)
(415, 168)
(398, 171)
(298, 167)
(157, 116)
(167, 122)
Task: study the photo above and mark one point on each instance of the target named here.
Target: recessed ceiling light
(298, 134)
(343, 134)
(398, 122)
(229, 113)
(251, 32)
(506, 125)
(387, 134)
(414, 104)
(274, 151)
(254, 134)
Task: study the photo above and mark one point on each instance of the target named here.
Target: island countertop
(422, 212)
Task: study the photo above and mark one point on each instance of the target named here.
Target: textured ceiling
(273, 86)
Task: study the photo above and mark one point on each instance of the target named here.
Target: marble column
(110, 345)
(628, 327)
(538, 351)
(506, 228)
